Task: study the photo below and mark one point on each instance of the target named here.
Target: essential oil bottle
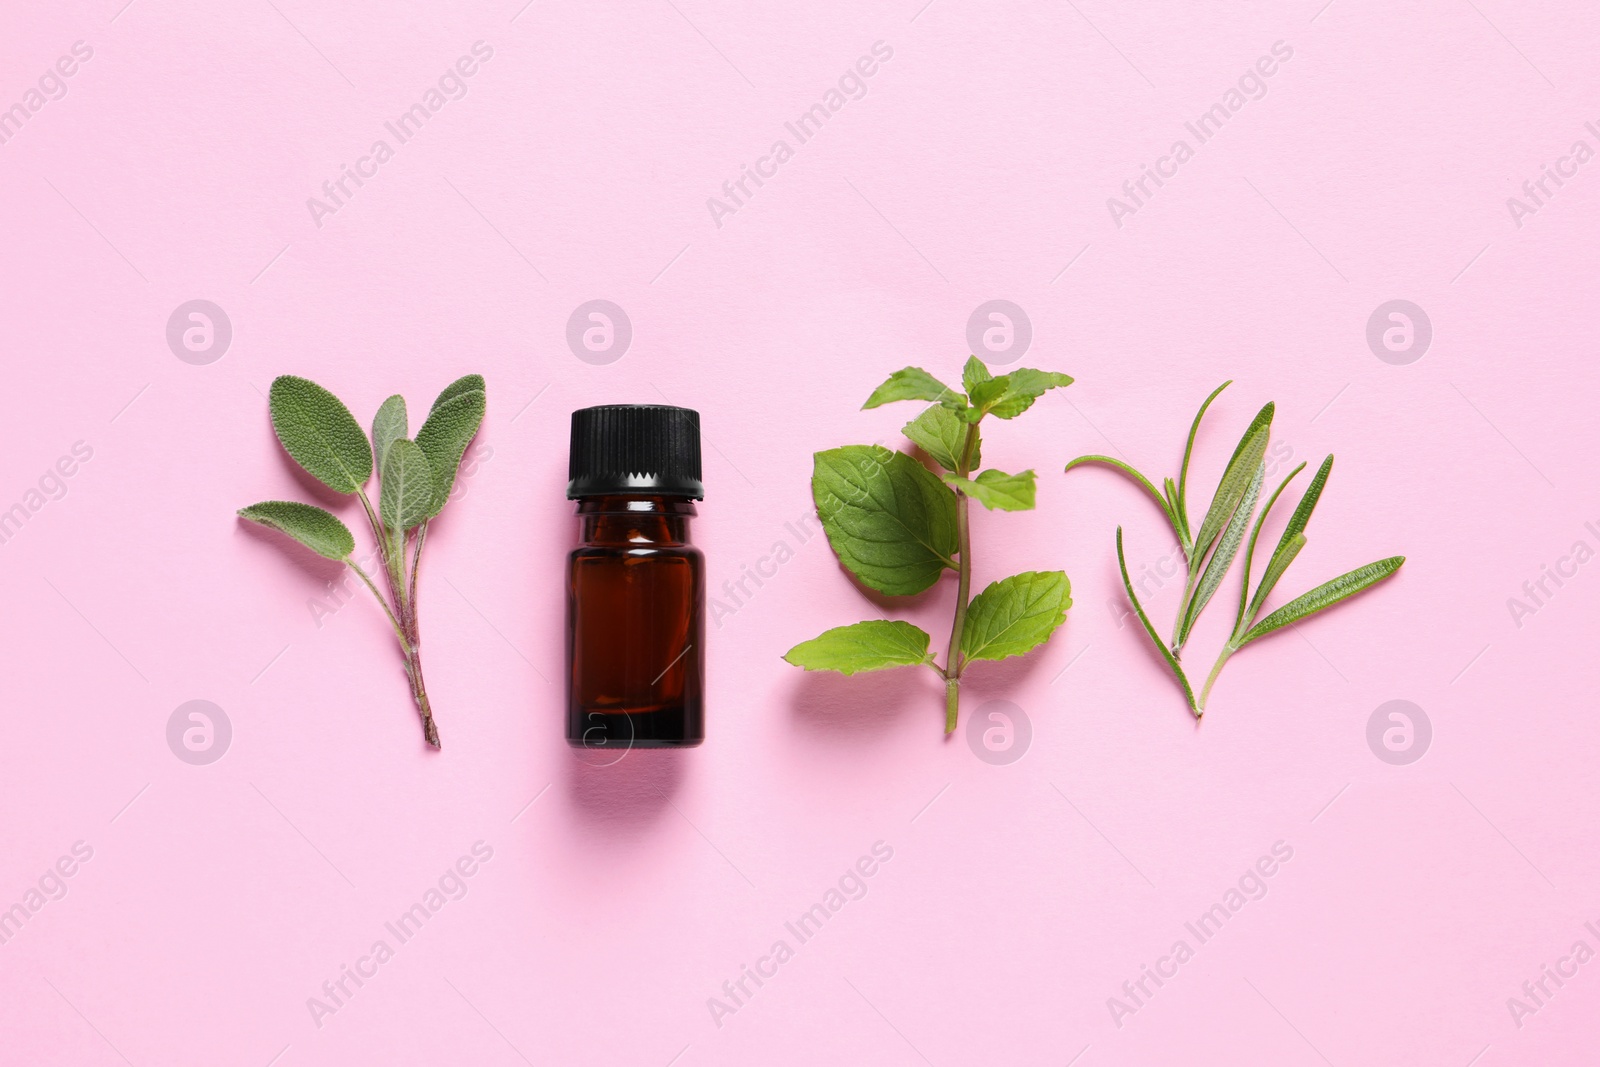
(635, 585)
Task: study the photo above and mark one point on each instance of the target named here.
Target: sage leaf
(409, 487)
(319, 432)
(1235, 478)
(940, 433)
(997, 489)
(451, 424)
(1325, 596)
(890, 520)
(1023, 386)
(1015, 615)
(1155, 638)
(874, 645)
(319, 530)
(388, 426)
(1217, 566)
(911, 383)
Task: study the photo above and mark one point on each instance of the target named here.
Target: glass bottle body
(635, 625)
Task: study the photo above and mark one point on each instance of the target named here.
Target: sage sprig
(415, 476)
(898, 527)
(1211, 551)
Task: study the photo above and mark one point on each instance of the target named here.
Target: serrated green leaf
(1325, 596)
(319, 432)
(1235, 477)
(1155, 639)
(874, 645)
(942, 434)
(890, 520)
(1241, 619)
(974, 373)
(997, 489)
(319, 530)
(451, 424)
(1024, 386)
(409, 486)
(388, 426)
(1227, 547)
(910, 383)
(985, 394)
(1015, 615)
(1188, 450)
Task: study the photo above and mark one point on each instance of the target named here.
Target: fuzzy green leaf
(1235, 478)
(1155, 638)
(874, 645)
(409, 486)
(940, 433)
(973, 374)
(1023, 386)
(1015, 615)
(911, 383)
(997, 489)
(452, 423)
(319, 530)
(1228, 547)
(890, 520)
(320, 433)
(1325, 596)
(388, 426)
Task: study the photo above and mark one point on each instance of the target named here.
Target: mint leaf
(942, 434)
(452, 423)
(874, 645)
(319, 530)
(985, 394)
(997, 489)
(388, 426)
(973, 374)
(1023, 386)
(890, 520)
(911, 383)
(1015, 614)
(409, 487)
(1325, 596)
(319, 432)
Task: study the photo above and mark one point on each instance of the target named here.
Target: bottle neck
(635, 520)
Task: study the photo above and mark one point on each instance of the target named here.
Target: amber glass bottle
(635, 585)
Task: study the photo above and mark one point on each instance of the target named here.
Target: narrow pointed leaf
(1155, 639)
(388, 426)
(1308, 503)
(997, 489)
(890, 520)
(874, 645)
(409, 487)
(1015, 615)
(1276, 566)
(1228, 547)
(319, 530)
(320, 433)
(1325, 596)
(451, 424)
(1240, 623)
(1293, 538)
(1188, 450)
(1235, 478)
(942, 434)
(1144, 483)
(911, 383)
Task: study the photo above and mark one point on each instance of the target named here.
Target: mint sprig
(1211, 551)
(415, 478)
(898, 527)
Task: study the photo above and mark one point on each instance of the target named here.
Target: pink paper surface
(1411, 906)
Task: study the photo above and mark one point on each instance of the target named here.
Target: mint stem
(952, 659)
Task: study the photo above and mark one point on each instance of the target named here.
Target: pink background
(1019, 897)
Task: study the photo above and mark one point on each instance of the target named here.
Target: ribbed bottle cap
(635, 448)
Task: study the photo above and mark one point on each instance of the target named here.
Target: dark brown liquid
(635, 626)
